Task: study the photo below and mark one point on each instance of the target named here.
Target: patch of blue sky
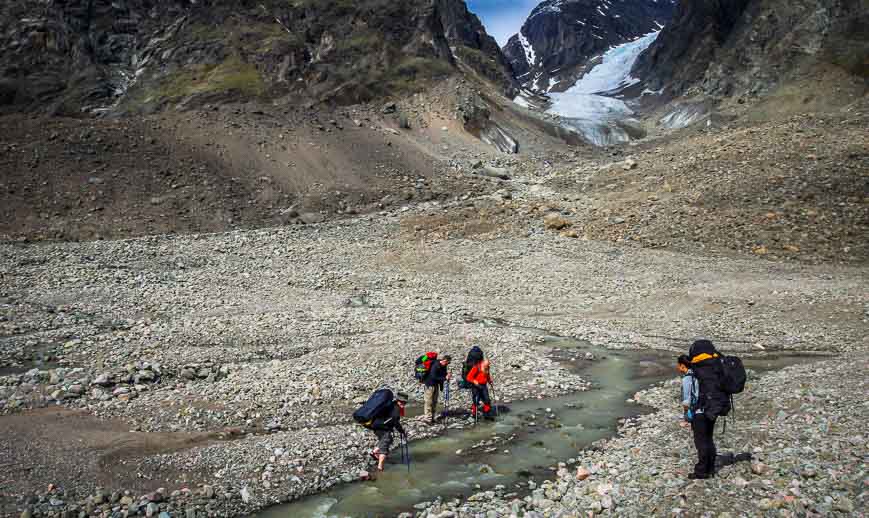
(502, 18)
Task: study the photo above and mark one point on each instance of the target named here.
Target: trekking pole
(494, 399)
(401, 447)
(407, 452)
(447, 405)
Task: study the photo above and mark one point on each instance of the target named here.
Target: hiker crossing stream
(516, 451)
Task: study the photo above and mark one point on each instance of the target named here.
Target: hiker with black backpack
(479, 379)
(437, 375)
(382, 414)
(718, 378)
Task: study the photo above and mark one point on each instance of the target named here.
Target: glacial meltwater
(523, 443)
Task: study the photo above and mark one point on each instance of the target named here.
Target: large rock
(555, 221)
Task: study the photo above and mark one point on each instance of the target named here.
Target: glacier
(590, 107)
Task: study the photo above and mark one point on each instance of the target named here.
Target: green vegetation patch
(232, 74)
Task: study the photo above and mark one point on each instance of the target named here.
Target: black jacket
(437, 375)
(389, 421)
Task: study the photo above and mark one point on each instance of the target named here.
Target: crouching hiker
(479, 379)
(382, 414)
(434, 384)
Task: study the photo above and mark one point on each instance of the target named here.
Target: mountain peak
(559, 38)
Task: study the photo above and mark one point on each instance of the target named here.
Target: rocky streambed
(801, 426)
(213, 374)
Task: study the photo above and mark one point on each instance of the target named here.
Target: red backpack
(423, 365)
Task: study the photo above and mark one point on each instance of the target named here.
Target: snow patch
(530, 56)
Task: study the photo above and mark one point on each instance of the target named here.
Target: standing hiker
(690, 389)
(434, 384)
(382, 414)
(712, 401)
(479, 378)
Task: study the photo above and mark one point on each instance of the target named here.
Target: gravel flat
(267, 339)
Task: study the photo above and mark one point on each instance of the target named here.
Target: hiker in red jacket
(479, 379)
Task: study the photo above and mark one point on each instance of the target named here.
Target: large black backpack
(378, 405)
(713, 400)
(475, 356)
(733, 376)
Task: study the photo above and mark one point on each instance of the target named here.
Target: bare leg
(381, 459)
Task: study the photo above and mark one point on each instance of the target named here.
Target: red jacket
(477, 374)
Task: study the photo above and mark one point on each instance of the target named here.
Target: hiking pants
(384, 440)
(480, 395)
(431, 401)
(703, 429)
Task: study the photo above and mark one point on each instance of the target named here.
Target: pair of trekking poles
(404, 448)
(446, 413)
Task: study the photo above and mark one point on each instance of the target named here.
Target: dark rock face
(75, 55)
(560, 37)
(735, 47)
(473, 46)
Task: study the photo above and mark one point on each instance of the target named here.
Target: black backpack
(475, 356)
(734, 375)
(378, 405)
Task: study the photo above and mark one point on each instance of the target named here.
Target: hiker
(434, 384)
(712, 401)
(475, 356)
(382, 414)
(479, 379)
(690, 389)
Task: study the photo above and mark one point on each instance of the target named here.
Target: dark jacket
(437, 375)
(390, 421)
(706, 365)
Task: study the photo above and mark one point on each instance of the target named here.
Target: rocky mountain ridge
(139, 55)
(746, 47)
(561, 38)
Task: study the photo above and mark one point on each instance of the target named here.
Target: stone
(311, 218)
(758, 468)
(151, 509)
(582, 473)
(103, 380)
(555, 221)
(144, 376)
(845, 505)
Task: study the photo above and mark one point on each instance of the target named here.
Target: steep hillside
(736, 47)
(68, 57)
(560, 38)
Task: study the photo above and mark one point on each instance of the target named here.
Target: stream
(521, 446)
